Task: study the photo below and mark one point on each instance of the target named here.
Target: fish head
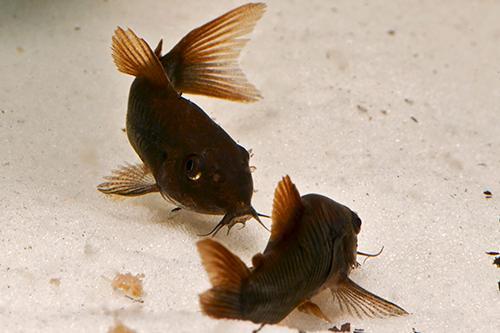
(213, 180)
(221, 181)
(228, 178)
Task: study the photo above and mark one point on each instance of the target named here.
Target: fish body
(186, 156)
(312, 247)
(315, 251)
(183, 144)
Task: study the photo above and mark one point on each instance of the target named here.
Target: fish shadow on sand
(196, 225)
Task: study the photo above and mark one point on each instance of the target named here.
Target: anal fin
(129, 180)
(357, 301)
(313, 310)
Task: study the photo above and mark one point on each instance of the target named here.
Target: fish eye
(192, 167)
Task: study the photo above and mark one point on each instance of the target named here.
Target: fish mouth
(233, 218)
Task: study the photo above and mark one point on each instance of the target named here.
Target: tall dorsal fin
(287, 208)
(132, 55)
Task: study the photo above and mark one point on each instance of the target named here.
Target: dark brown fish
(186, 156)
(312, 247)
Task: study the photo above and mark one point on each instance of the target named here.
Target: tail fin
(353, 298)
(132, 55)
(205, 61)
(226, 273)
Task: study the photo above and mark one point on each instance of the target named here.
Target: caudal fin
(226, 273)
(205, 61)
(132, 55)
(360, 302)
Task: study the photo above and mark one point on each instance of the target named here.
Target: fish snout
(241, 215)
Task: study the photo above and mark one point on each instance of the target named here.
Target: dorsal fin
(205, 61)
(158, 48)
(132, 55)
(287, 208)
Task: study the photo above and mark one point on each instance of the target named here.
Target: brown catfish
(312, 247)
(186, 156)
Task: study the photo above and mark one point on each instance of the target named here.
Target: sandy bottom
(392, 108)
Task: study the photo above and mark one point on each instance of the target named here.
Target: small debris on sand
(414, 119)
(129, 284)
(361, 108)
(120, 328)
(497, 262)
(55, 282)
(343, 328)
(391, 32)
(487, 194)
(409, 101)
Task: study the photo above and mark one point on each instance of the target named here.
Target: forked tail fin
(132, 55)
(205, 61)
(226, 273)
(360, 302)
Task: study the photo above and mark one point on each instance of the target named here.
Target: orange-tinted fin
(287, 207)
(313, 310)
(129, 180)
(158, 49)
(205, 61)
(132, 55)
(362, 303)
(226, 272)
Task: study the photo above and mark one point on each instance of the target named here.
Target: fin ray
(226, 272)
(129, 180)
(132, 55)
(215, 45)
(364, 303)
(287, 205)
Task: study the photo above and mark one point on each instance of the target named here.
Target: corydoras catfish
(312, 247)
(186, 156)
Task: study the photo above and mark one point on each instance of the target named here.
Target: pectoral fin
(313, 310)
(129, 180)
(360, 302)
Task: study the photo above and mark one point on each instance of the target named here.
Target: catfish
(312, 248)
(186, 157)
